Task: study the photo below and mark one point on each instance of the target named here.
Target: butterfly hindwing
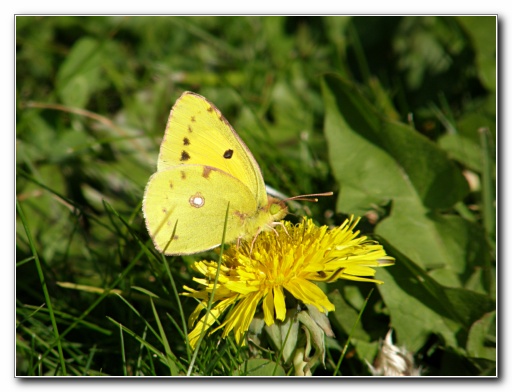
(195, 198)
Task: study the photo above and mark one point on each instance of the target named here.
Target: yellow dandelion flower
(290, 261)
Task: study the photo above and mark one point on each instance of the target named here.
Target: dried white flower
(393, 361)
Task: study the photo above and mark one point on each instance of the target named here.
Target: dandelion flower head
(286, 262)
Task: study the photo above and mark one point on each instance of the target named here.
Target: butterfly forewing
(198, 134)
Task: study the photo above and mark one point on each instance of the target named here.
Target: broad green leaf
(481, 114)
(345, 317)
(419, 306)
(289, 116)
(377, 161)
(260, 368)
(366, 350)
(79, 75)
(478, 345)
(463, 150)
(482, 30)
(35, 138)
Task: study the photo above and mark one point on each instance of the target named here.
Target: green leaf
(79, 76)
(481, 114)
(483, 30)
(478, 345)
(378, 161)
(169, 355)
(345, 317)
(260, 368)
(419, 306)
(463, 150)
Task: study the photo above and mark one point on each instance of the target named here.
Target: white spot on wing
(196, 200)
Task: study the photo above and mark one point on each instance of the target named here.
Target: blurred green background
(396, 115)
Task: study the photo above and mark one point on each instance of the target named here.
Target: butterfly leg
(274, 224)
(254, 240)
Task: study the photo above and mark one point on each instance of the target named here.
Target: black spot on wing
(186, 141)
(228, 154)
(184, 156)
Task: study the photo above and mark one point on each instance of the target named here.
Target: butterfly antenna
(312, 197)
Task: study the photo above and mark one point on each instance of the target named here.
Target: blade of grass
(178, 302)
(148, 326)
(488, 201)
(193, 29)
(89, 361)
(96, 117)
(43, 286)
(65, 317)
(138, 371)
(488, 208)
(148, 346)
(359, 52)
(350, 334)
(153, 331)
(210, 301)
(116, 282)
(123, 353)
(169, 354)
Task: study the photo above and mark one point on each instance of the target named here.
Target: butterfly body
(204, 167)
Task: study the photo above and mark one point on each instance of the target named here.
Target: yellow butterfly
(202, 167)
